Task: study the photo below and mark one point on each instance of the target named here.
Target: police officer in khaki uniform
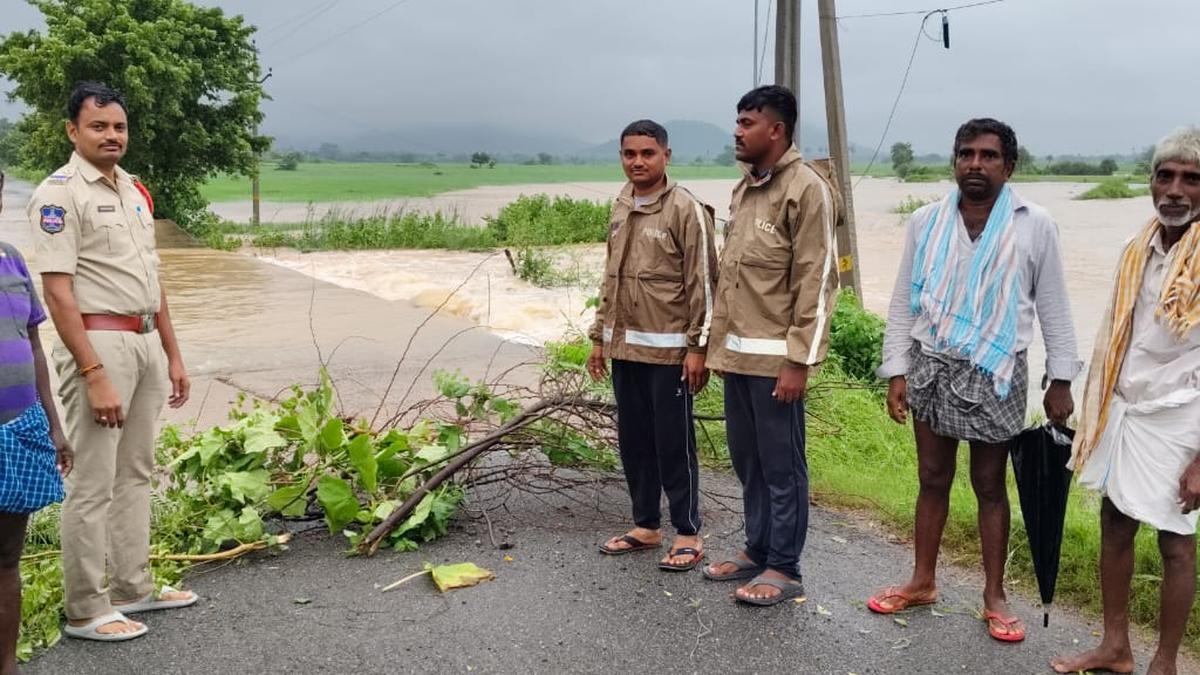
(771, 321)
(118, 362)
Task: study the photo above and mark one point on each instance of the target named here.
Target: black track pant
(766, 445)
(658, 443)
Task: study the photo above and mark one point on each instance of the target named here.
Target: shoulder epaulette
(61, 175)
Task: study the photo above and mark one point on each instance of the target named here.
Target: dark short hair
(646, 128)
(778, 99)
(98, 90)
(972, 129)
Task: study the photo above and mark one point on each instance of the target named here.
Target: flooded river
(258, 320)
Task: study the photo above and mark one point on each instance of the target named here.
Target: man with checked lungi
(976, 269)
(34, 452)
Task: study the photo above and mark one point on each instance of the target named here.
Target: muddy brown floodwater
(257, 320)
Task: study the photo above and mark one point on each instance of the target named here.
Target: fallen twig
(370, 544)
(236, 552)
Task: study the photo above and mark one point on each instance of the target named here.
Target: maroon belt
(133, 324)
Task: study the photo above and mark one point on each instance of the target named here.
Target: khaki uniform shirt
(656, 299)
(99, 232)
(779, 276)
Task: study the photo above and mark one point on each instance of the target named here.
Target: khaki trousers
(106, 515)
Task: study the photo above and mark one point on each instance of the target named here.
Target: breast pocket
(110, 231)
(145, 228)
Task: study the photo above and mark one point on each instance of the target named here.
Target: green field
(350, 181)
(360, 181)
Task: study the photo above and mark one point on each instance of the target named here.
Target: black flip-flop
(697, 556)
(635, 544)
(788, 589)
(746, 569)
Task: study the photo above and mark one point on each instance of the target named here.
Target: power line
(313, 17)
(908, 69)
(331, 38)
(766, 31)
(919, 11)
(903, 82)
(289, 21)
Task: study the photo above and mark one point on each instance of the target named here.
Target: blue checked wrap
(29, 477)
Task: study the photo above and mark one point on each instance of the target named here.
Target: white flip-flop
(91, 630)
(151, 602)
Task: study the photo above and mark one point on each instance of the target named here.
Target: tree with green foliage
(1108, 166)
(1143, 161)
(479, 159)
(727, 157)
(12, 140)
(902, 158)
(290, 161)
(1025, 160)
(330, 152)
(190, 79)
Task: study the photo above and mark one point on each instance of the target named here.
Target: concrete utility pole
(257, 168)
(839, 149)
(787, 45)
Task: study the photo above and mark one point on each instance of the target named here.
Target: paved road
(558, 606)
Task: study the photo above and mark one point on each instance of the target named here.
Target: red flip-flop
(892, 593)
(1013, 631)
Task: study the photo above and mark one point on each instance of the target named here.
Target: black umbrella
(1039, 457)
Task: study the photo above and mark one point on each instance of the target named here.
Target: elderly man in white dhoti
(1138, 442)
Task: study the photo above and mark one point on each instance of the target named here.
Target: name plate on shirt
(106, 208)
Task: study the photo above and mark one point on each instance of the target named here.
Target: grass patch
(402, 229)
(359, 181)
(525, 224)
(1114, 188)
(910, 204)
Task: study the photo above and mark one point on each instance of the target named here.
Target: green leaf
(333, 435)
(221, 527)
(433, 453)
(418, 516)
(403, 545)
(385, 508)
(245, 486)
(249, 525)
(261, 438)
(209, 445)
(289, 500)
(391, 468)
(337, 498)
(363, 460)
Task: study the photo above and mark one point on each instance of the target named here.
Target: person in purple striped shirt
(34, 452)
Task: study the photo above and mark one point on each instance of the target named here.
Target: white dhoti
(1141, 455)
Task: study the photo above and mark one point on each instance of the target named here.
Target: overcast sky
(1086, 76)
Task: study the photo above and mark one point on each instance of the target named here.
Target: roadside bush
(910, 204)
(855, 338)
(540, 220)
(924, 173)
(1114, 188)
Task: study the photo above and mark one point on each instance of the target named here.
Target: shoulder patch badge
(54, 218)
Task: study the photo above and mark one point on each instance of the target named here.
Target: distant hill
(689, 139)
(449, 140)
